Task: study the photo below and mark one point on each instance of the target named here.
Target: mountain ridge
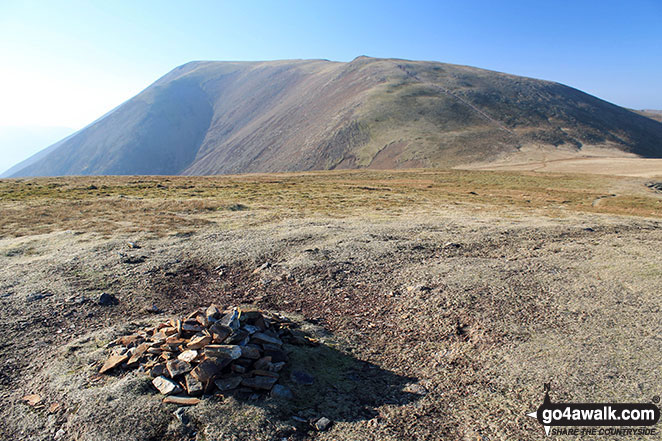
(210, 117)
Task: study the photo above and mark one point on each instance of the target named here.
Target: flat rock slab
(178, 367)
(193, 386)
(220, 332)
(181, 400)
(166, 386)
(223, 351)
(213, 313)
(140, 350)
(239, 337)
(259, 382)
(322, 424)
(251, 352)
(231, 320)
(188, 356)
(251, 329)
(112, 362)
(128, 340)
(157, 370)
(191, 326)
(229, 383)
(264, 373)
(199, 341)
(32, 399)
(262, 363)
(260, 337)
(205, 371)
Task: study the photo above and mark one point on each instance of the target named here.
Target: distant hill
(650, 113)
(210, 117)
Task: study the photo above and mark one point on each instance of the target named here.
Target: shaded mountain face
(234, 117)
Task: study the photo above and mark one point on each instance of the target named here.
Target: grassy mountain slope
(236, 117)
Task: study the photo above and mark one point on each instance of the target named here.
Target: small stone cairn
(207, 351)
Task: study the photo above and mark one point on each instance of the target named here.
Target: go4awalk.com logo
(614, 419)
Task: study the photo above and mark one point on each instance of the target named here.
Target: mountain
(211, 117)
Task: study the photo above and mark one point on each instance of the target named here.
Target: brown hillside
(235, 117)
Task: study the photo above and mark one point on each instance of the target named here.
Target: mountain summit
(210, 117)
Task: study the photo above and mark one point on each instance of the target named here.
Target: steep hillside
(235, 117)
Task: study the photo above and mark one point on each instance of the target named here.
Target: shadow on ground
(325, 382)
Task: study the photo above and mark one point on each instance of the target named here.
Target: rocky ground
(432, 324)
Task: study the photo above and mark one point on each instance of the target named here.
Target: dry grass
(166, 205)
(478, 286)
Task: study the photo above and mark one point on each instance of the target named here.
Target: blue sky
(66, 63)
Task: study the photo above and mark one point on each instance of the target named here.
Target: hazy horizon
(24, 141)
